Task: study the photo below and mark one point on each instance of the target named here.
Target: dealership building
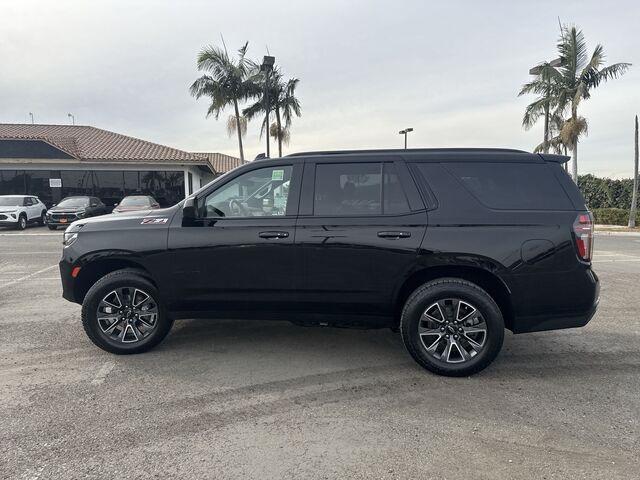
(57, 161)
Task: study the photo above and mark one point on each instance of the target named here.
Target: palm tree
(634, 196)
(226, 83)
(283, 101)
(579, 74)
(545, 85)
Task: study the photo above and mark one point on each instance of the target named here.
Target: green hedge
(611, 216)
(605, 192)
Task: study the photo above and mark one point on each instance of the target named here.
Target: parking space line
(31, 234)
(27, 277)
(103, 372)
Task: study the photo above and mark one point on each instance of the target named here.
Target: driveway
(249, 399)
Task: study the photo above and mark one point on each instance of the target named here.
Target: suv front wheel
(122, 313)
(452, 327)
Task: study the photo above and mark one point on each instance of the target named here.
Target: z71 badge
(154, 220)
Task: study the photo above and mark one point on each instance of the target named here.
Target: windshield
(11, 201)
(74, 202)
(135, 202)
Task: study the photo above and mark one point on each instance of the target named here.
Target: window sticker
(277, 175)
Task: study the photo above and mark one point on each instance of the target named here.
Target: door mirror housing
(189, 210)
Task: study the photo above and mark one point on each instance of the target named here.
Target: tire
(43, 218)
(98, 330)
(52, 227)
(22, 222)
(448, 308)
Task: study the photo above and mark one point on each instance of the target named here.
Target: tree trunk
(574, 165)
(279, 125)
(634, 196)
(238, 128)
(545, 144)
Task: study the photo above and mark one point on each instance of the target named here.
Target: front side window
(259, 193)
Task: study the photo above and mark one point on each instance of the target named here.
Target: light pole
(540, 70)
(31, 115)
(73, 119)
(404, 132)
(266, 68)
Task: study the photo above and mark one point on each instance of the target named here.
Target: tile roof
(220, 162)
(94, 144)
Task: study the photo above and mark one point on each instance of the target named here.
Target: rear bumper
(539, 323)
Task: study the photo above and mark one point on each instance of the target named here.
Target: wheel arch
(94, 270)
(486, 280)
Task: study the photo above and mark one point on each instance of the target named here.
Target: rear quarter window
(512, 186)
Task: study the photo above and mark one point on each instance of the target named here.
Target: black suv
(71, 209)
(448, 246)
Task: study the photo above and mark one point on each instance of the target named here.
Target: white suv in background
(19, 210)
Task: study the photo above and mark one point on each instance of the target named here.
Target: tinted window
(135, 202)
(74, 202)
(513, 186)
(344, 189)
(258, 193)
(395, 200)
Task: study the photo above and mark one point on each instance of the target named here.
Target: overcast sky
(451, 70)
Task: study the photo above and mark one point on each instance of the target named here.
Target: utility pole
(72, 117)
(31, 115)
(634, 196)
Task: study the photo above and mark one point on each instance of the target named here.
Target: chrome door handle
(273, 234)
(394, 234)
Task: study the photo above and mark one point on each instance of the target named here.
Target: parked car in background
(448, 246)
(134, 203)
(71, 209)
(19, 210)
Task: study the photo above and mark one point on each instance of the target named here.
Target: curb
(609, 233)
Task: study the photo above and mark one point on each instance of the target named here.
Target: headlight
(71, 234)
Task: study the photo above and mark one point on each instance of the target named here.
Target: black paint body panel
(346, 270)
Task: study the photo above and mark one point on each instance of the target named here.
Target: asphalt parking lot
(270, 400)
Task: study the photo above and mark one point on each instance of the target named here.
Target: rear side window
(356, 189)
(512, 186)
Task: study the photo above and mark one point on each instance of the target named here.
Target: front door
(358, 234)
(239, 257)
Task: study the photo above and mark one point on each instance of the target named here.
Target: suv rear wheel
(452, 327)
(122, 313)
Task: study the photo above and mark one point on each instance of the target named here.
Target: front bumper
(8, 223)
(68, 292)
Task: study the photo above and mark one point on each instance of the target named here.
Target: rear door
(33, 209)
(360, 225)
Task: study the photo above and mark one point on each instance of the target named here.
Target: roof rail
(408, 151)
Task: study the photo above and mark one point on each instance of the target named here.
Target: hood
(58, 209)
(158, 216)
(8, 209)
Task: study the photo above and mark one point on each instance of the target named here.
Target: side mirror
(93, 205)
(189, 210)
(54, 204)
(115, 204)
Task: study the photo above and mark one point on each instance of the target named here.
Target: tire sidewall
(424, 298)
(22, 222)
(99, 290)
(43, 218)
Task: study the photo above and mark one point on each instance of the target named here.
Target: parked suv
(71, 209)
(448, 246)
(19, 210)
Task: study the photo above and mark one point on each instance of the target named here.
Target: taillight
(583, 230)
